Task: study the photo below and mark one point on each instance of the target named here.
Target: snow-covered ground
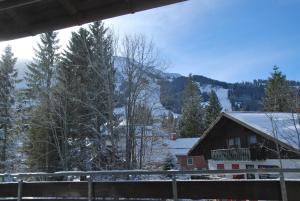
(221, 93)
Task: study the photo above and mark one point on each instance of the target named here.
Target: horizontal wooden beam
(57, 19)
(195, 189)
(9, 4)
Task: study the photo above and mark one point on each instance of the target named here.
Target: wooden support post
(174, 188)
(20, 185)
(90, 188)
(283, 187)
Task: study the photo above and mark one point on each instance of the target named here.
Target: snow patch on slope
(221, 93)
(153, 97)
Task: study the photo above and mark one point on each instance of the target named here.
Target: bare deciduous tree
(140, 56)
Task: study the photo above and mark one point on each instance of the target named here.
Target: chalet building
(179, 148)
(244, 140)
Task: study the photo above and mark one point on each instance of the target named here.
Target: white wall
(287, 163)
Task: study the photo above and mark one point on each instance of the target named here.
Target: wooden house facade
(241, 140)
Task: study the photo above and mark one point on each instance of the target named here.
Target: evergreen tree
(213, 109)
(103, 74)
(169, 162)
(277, 93)
(70, 99)
(41, 145)
(191, 124)
(8, 80)
(85, 93)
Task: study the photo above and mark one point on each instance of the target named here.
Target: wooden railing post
(90, 188)
(283, 187)
(174, 188)
(20, 186)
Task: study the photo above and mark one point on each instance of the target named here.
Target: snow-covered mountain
(165, 90)
(151, 94)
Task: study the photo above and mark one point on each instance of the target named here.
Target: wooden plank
(58, 18)
(250, 190)
(198, 189)
(8, 189)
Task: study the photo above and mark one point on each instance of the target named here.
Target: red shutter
(235, 166)
(220, 166)
(237, 176)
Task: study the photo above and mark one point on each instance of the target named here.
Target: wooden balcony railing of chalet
(239, 154)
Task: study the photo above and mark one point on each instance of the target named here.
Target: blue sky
(229, 40)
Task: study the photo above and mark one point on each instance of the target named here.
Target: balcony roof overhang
(21, 18)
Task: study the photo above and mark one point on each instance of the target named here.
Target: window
(252, 139)
(234, 142)
(250, 175)
(190, 161)
(231, 142)
(268, 176)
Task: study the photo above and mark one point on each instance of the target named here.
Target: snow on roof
(285, 125)
(181, 146)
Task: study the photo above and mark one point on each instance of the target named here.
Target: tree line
(64, 119)
(280, 96)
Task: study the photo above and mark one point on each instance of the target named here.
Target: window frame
(250, 139)
(236, 143)
(188, 161)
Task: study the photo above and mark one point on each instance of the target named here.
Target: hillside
(165, 92)
(243, 96)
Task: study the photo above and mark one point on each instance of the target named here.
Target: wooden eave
(20, 18)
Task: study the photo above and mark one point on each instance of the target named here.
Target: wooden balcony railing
(238, 154)
(26, 187)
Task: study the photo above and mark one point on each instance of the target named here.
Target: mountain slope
(166, 90)
(246, 96)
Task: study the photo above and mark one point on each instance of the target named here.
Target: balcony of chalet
(236, 154)
(239, 154)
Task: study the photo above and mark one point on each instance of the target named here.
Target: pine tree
(277, 93)
(169, 162)
(8, 80)
(213, 109)
(191, 124)
(41, 145)
(85, 93)
(103, 73)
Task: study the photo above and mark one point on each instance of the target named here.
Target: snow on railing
(146, 172)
